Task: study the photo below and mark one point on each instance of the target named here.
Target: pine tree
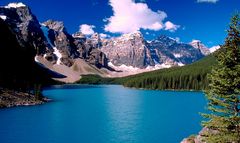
(223, 120)
(37, 92)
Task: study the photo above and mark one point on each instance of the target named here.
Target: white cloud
(129, 16)
(170, 26)
(87, 29)
(207, 1)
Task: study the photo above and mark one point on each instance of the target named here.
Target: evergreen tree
(223, 120)
(37, 92)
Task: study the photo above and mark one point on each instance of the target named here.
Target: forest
(189, 77)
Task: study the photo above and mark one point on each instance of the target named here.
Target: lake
(104, 114)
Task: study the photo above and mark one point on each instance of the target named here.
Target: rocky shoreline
(197, 138)
(10, 98)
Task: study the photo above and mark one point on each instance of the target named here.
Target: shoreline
(26, 103)
(10, 98)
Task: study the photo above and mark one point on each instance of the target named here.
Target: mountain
(74, 55)
(25, 26)
(128, 49)
(214, 48)
(55, 48)
(89, 50)
(133, 50)
(19, 74)
(199, 45)
(60, 42)
(169, 51)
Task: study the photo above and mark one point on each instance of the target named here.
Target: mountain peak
(133, 35)
(95, 36)
(56, 25)
(79, 35)
(17, 11)
(214, 48)
(196, 41)
(199, 45)
(166, 38)
(15, 5)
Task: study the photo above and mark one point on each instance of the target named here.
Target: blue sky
(186, 19)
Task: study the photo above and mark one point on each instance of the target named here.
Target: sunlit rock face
(128, 49)
(132, 50)
(199, 45)
(61, 41)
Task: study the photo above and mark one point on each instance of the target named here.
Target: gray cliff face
(62, 41)
(79, 41)
(89, 49)
(199, 45)
(133, 50)
(26, 27)
(74, 46)
(169, 51)
(129, 49)
(51, 38)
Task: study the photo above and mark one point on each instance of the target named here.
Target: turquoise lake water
(104, 114)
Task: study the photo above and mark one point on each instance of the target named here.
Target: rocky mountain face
(61, 42)
(89, 49)
(166, 50)
(49, 39)
(199, 45)
(25, 26)
(20, 76)
(68, 47)
(133, 50)
(129, 49)
(18, 69)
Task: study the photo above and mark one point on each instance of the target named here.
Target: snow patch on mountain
(36, 59)
(58, 54)
(181, 64)
(123, 67)
(195, 41)
(131, 36)
(56, 51)
(158, 66)
(130, 70)
(214, 48)
(3, 17)
(15, 5)
(176, 55)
